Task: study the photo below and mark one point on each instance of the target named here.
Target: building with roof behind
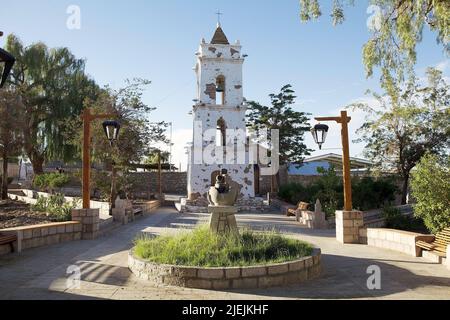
(310, 165)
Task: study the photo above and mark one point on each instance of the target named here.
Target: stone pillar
(222, 219)
(90, 221)
(320, 221)
(348, 224)
(123, 211)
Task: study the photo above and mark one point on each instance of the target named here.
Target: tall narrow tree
(280, 116)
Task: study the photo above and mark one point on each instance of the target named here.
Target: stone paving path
(41, 273)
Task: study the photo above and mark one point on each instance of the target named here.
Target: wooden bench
(8, 239)
(138, 211)
(439, 245)
(301, 206)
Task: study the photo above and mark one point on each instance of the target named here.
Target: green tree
(330, 190)
(291, 124)
(137, 133)
(10, 132)
(398, 28)
(430, 186)
(410, 122)
(52, 85)
(153, 156)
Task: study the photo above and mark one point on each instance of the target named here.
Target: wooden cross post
(87, 118)
(344, 119)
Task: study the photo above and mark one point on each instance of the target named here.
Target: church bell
(220, 85)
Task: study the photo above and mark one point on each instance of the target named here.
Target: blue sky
(157, 40)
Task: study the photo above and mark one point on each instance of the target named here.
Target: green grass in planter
(204, 249)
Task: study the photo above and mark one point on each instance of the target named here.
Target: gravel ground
(15, 214)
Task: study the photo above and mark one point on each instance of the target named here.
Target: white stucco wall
(214, 60)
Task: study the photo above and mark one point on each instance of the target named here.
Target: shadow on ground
(347, 279)
(41, 273)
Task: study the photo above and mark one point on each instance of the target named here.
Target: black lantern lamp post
(8, 61)
(319, 133)
(111, 129)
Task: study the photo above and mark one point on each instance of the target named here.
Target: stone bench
(34, 236)
(397, 240)
(125, 212)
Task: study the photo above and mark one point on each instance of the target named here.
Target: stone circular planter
(264, 276)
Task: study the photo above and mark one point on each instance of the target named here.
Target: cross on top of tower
(218, 17)
(219, 36)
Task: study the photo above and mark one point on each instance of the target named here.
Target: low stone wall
(5, 249)
(143, 184)
(42, 235)
(125, 212)
(31, 198)
(275, 275)
(397, 240)
(148, 206)
(200, 205)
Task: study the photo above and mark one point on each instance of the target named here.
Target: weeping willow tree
(10, 134)
(52, 85)
(397, 28)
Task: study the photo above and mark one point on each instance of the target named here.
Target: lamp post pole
(170, 156)
(344, 119)
(159, 176)
(87, 118)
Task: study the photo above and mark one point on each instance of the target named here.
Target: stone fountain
(222, 199)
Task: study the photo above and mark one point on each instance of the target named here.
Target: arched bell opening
(220, 90)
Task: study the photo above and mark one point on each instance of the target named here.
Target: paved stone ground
(41, 273)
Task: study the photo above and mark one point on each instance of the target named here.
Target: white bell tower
(219, 106)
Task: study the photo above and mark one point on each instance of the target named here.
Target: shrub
(330, 190)
(368, 193)
(50, 180)
(396, 220)
(430, 185)
(101, 184)
(56, 207)
(41, 204)
(58, 180)
(203, 248)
